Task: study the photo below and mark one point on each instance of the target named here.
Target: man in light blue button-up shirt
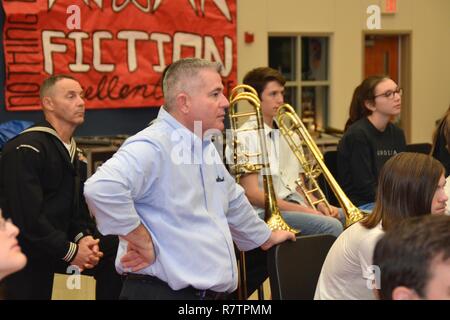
(168, 195)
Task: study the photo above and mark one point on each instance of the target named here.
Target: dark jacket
(362, 152)
(41, 190)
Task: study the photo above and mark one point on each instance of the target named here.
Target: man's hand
(140, 252)
(276, 237)
(86, 257)
(332, 211)
(92, 244)
(138, 258)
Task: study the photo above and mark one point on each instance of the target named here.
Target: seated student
(370, 138)
(441, 140)
(11, 257)
(285, 169)
(414, 260)
(410, 184)
(284, 166)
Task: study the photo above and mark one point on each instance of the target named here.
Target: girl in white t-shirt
(410, 184)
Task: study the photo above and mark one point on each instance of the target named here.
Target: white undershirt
(68, 146)
(284, 166)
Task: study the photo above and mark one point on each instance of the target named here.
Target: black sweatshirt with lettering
(362, 152)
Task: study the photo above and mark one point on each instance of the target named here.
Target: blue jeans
(311, 223)
(368, 207)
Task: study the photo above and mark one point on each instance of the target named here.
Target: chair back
(419, 147)
(294, 267)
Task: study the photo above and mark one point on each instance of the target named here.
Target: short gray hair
(51, 81)
(181, 70)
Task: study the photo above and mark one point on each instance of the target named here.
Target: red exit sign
(389, 6)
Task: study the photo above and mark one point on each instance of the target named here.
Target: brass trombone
(302, 145)
(272, 214)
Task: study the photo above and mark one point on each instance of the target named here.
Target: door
(390, 54)
(382, 56)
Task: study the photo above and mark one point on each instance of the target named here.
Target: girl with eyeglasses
(370, 138)
(11, 257)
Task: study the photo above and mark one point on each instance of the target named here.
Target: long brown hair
(406, 187)
(443, 128)
(364, 92)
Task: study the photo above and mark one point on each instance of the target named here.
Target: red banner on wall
(117, 49)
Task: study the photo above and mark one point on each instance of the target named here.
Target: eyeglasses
(390, 94)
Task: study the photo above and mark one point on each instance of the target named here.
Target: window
(303, 61)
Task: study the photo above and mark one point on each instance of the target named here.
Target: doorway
(382, 55)
(390, 54)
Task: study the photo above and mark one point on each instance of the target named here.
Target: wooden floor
(267, 294)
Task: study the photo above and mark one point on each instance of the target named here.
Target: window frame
(299, 84)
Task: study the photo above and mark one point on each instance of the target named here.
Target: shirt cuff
(71, 252)
(78, 237)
